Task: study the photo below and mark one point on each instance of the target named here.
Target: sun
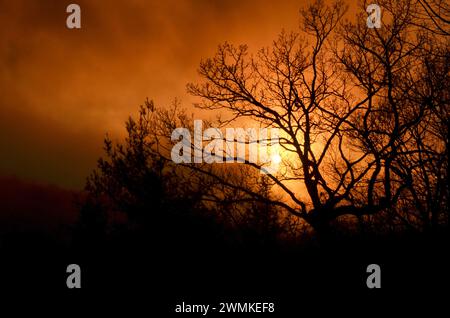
(276, 158)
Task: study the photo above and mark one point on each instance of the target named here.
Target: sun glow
(276, 158)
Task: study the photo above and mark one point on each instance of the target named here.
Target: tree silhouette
(136, 191)
(356, 106)
(364, 118)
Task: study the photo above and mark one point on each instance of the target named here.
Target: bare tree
(410, 79)
(351, 104)
(364, 118)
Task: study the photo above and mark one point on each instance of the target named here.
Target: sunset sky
(63, 89)
(360, 173)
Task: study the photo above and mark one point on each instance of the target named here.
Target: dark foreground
(156, 273)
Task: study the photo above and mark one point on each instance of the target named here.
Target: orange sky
(62, 90)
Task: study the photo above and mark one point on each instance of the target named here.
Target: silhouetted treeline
(364, 114)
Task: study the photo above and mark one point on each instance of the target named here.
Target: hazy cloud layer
(62, 90)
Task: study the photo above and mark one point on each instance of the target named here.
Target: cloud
(62, 89)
